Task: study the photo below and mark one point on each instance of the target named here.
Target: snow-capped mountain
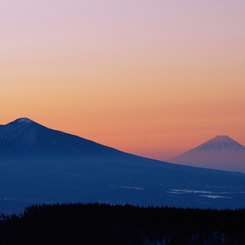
(221, 152)
(24, 137)
(42, 165)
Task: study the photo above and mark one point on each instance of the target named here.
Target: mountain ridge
(24, 136)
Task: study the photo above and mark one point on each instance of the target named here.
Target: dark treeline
(116, 224)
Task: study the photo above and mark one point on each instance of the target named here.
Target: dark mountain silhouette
(24, 137)
(221, 152)
(42, 165)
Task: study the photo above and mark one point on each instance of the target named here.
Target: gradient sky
(154, 78)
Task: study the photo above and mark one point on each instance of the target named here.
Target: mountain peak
(24, 137)
(220, 152)
(220, 143)
(222, 137)
(22, 120)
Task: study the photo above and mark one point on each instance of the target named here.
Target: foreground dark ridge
(107, 224)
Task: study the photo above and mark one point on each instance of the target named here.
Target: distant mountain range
(42, 165)
(221, 153)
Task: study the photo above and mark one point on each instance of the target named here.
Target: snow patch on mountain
(220, 143)
(23, 120)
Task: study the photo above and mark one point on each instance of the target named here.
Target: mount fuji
(221, 152)
(42, 165)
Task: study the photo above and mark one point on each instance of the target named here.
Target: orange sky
(153, 78)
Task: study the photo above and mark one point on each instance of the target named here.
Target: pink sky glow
(153, 78)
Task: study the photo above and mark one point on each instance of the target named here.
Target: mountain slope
(221, 152)
(42, 165)
(24, 137)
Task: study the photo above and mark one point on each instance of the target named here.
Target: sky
(153, 78)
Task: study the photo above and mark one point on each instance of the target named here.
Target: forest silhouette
(95, 223)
